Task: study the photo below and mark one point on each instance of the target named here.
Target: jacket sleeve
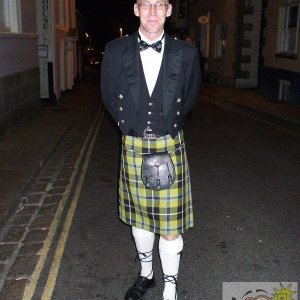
(107, 82)
(193, 80)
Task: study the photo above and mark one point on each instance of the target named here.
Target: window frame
(221, 33)
(284, 90)
(10, 16)
(285, 33)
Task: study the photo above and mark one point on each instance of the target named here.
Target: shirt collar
(151, 42)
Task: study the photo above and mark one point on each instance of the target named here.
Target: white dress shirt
(151, 61)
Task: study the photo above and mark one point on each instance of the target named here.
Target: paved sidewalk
(249, 99)
(25, 149)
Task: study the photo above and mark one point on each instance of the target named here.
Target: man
(150, 82)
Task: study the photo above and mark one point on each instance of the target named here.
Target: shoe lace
(143, 256)
(171, 279)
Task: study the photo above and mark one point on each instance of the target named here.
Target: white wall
(18, 51)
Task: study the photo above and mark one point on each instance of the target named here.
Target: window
(289, 27)
(220, 40)
(284, 90)
(10, 16)
(249, 3)
(181, 9)
(2, 19)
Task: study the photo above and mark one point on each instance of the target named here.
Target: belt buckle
(149, 136)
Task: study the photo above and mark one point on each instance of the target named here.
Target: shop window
(288, 28)
(220, 40)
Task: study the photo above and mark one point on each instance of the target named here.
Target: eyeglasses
(147, 5)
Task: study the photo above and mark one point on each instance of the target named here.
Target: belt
(147, 135)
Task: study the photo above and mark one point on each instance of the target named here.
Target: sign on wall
(43, 51)
(44, 25)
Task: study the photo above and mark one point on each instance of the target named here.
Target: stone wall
(19, 97)
(247, 44)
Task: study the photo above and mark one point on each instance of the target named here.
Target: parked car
(94, 61)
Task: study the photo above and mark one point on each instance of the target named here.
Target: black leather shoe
(139, 288)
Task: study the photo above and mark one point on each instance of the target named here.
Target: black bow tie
(157, 46)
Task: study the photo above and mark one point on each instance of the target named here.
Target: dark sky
(105, 17)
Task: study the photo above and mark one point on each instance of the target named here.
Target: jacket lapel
(173, 56)
(131, 66)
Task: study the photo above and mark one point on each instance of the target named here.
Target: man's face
(152, 16)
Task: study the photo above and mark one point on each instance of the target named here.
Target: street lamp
(89, 37)
(121, 31)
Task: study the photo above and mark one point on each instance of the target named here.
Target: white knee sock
(169, 252)
(144, 241)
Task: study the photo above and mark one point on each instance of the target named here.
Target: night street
(245, 181)
(180, 118)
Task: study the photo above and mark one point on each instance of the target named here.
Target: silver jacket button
(121, 108)
(175, 125)
(121, 96)
(178, 113)
(178, 100)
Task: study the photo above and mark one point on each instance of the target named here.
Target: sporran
(158, 171)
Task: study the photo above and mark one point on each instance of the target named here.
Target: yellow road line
(43, 253)
(49, 287)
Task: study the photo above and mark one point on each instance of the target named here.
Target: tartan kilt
(165, 212)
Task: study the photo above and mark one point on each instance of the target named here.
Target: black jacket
(119, 81)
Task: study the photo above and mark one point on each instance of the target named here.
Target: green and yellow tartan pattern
(165, 212)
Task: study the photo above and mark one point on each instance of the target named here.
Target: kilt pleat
(165, 212)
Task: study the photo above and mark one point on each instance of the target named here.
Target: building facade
(38, 55)
(56, 24)
(19, 67)
(279, 73)
(250, 44)
(228, 34)
(179, 17)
